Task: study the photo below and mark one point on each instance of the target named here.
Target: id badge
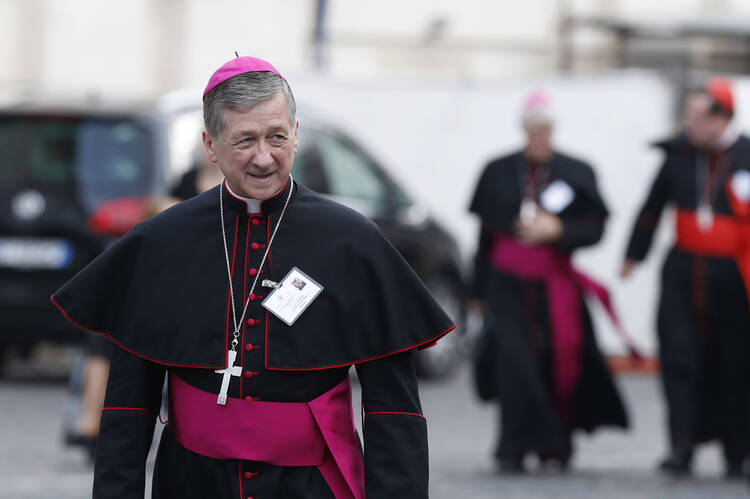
(292, 296)
(557, 196)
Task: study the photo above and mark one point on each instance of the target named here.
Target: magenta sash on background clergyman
(565, 287)
(317, 433)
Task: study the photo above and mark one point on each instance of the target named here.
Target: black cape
(703, 316)
(519, 336)
(161, 290)
(497, 198)
(162, 294)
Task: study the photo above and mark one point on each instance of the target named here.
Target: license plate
(35, 253)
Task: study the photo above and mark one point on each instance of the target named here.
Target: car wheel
(441, 359)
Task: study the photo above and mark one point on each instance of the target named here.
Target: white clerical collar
(727, 139)
(253, 205)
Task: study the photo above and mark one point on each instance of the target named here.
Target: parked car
(76, 174)
(72, 177)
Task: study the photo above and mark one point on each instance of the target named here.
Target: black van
(71, 179)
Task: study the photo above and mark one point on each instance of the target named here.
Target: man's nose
(262, 157)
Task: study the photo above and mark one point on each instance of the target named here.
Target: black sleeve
(648, 218)
(581, 231)
(395, 431)
(127, 426)
(583, 223)
(482, 267)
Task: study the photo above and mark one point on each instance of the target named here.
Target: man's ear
(209, 144)
(296, 136)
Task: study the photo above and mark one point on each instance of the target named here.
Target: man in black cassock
(255, 298)
(536, 207)
(703, 319)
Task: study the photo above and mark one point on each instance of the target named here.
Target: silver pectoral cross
(230, 371)
(528, 210)
(705, 217)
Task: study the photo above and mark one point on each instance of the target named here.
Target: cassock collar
(253, 205)
(248, 206)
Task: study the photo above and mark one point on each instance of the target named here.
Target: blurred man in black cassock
(536, 207)
(703, 321)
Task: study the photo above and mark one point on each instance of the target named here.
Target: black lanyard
(532, 180)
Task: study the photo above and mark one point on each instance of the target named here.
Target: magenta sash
(317, 433)
(565, 288)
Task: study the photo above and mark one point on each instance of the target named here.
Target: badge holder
(292, 296)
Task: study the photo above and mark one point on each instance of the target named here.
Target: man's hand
(544, 228)
(627, 267)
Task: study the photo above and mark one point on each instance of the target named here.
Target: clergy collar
(251, 206)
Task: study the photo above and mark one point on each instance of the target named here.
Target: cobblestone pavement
(608, 465)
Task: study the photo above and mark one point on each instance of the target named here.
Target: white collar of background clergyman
(253, 205)
(728, 138)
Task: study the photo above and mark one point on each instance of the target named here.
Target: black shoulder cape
(679, 145)
(161, 291)
(676, 143)
(498, 194)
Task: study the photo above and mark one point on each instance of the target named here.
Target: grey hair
(244, 91)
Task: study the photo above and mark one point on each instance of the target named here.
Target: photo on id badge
(292, 296)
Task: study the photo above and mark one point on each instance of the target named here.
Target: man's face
(539, 141)
(256, 148)
(702, 128)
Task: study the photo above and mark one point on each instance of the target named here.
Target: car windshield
(89, 160)
(330, 164)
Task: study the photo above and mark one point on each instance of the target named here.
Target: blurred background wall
(146, 46)
(432, 88)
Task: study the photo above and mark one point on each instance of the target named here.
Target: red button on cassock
(253, 271)
(256, 222)
(255, 246)
(250, 374)
(250, 474)
(249, 347)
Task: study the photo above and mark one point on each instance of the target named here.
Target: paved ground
(611, 465)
